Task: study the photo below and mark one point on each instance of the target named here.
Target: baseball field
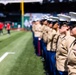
(17, 56)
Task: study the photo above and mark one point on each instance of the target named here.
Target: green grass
(9, 38)
(28, 63)
(24, 61)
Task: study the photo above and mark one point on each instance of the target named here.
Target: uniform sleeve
(69, 41)
(51, 33)
(45, 33)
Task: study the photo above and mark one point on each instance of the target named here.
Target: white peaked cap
(63, 17)
(53, 18)
(73, 16)
(50, 19)
(37, 19)
(45, 17)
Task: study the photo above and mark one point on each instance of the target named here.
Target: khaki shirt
(54, 41)
(49, 37)
(38, 30)
(45, 33)
(72, 59)
(62, 53)
(51, 33)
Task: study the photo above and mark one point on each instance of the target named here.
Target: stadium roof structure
(19, 1)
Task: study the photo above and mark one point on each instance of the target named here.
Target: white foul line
(5, 54)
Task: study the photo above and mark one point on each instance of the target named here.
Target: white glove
(39, 38)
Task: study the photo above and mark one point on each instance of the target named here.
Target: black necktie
(74, 42)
